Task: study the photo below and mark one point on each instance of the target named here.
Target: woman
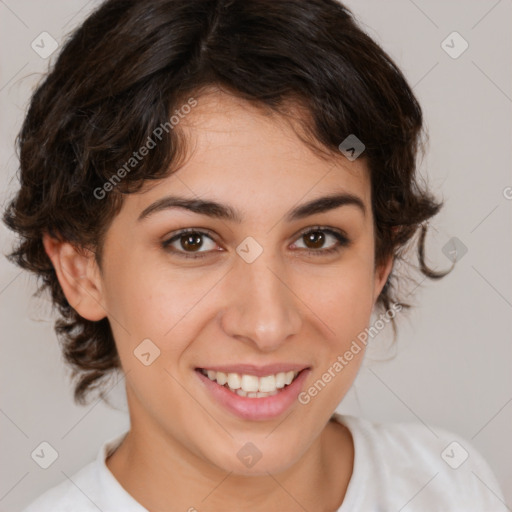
(215, 194)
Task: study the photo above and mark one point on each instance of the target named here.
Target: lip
(257, 371)
(255, 409)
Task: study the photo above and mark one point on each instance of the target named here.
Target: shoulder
(70, 495)
(431, 466)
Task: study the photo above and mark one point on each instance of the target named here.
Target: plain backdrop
(450, 366)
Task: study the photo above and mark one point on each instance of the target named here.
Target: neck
(158, 471)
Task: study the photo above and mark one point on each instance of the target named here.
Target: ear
(381, 276)
(78, 275)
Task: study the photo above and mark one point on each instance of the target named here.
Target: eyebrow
(222, 211)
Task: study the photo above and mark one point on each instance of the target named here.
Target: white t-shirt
(397, 467)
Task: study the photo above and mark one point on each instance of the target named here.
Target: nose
(263, 309)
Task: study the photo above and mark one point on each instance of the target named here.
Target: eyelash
(343, 242)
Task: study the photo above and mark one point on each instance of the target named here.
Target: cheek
(346, 312)
(345, 308)
(344, 298)
(149, 299)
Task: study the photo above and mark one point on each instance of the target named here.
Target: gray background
(450, 367)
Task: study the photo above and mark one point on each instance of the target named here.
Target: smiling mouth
(251, 386)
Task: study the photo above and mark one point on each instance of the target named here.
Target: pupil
(316, 237)
(188, 241)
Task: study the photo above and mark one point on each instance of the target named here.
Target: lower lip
(263, 408)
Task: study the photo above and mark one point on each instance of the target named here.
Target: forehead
(242, 153)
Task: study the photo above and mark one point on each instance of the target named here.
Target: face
(258, 292)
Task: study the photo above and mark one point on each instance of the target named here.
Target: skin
(286, 306)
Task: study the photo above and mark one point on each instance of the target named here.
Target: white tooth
(289, 377)
(241, 392)
(222, 378)
(212, 374)
(252, 395)
(280, 380)
(262, 395)
(250, 383)
(267, 384)
(234, 381)
(272, 393)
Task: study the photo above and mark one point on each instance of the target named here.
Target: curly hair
(126, 69)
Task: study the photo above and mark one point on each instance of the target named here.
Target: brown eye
(191, 242)
(187, 243)
(315, 239)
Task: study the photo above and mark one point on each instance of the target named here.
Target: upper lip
(258, 371)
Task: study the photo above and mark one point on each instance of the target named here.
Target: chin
(247, 459)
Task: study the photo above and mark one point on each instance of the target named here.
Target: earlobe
(78, 275)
